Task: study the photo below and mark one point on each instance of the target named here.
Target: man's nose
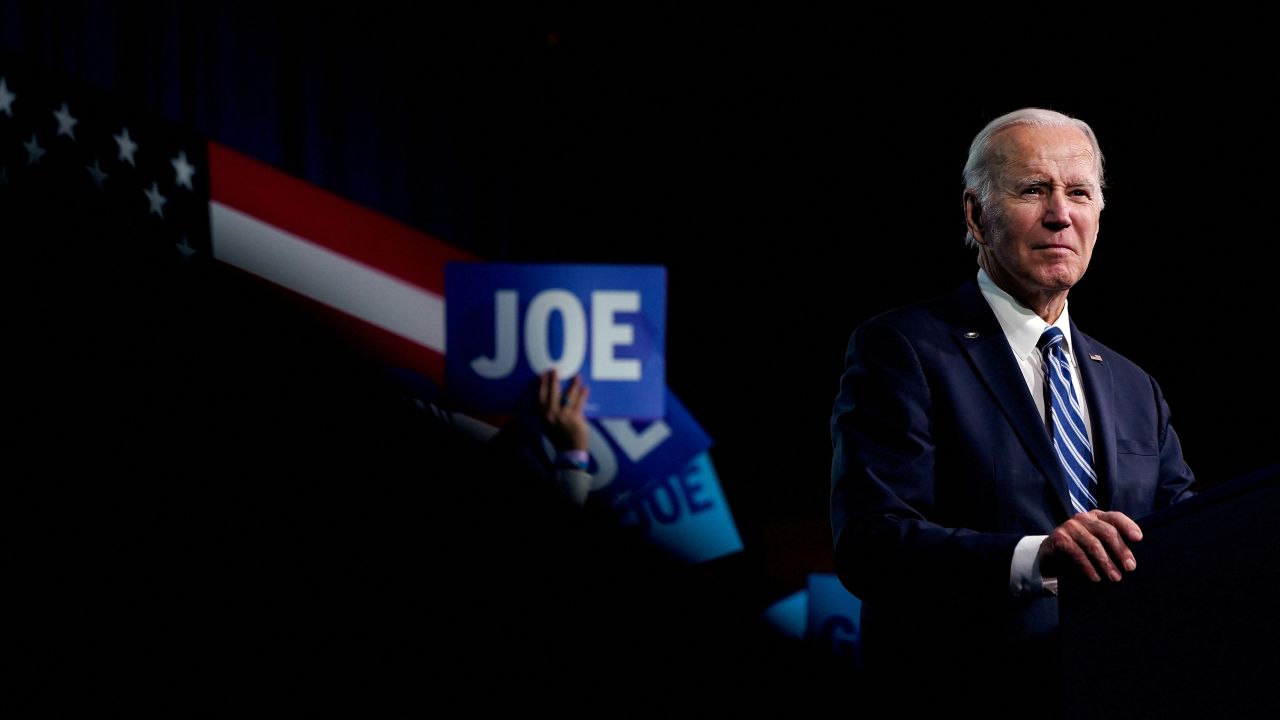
(1057, 214)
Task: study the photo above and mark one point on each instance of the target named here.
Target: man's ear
(973, 217)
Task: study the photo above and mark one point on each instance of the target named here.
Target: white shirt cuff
(1025, 579)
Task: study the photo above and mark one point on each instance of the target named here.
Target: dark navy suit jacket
(941, 464)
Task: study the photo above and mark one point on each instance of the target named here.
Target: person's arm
(543, 413)
(1176, 479)
(885, 482)
(566, 426)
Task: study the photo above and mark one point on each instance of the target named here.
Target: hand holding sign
(562, 419)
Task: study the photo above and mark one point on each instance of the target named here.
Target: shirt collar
(1022, 327)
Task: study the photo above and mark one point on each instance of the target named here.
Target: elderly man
(983, 443)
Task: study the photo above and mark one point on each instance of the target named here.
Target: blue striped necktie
(1070, 437)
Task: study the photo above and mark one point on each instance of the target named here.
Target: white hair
(982, 169)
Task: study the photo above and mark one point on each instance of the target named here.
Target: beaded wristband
(572, 460)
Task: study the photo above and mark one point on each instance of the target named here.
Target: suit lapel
(981, 337)
(1095, 374)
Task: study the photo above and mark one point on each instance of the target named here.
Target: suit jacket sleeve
(1175, 479)
(885, 473)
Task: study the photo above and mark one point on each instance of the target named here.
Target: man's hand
(563, 420)
(1095, 542)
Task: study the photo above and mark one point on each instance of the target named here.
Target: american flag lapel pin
(1095, 357)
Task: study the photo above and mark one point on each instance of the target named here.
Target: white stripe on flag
(327, 277)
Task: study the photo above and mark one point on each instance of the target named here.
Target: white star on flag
(95, 170)
(66, 123)
(127, 146)
(184, 170)
(185, 248)
(156, 199)
(34, 151)
(6, 99)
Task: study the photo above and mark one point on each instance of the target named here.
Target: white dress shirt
(1023, 328)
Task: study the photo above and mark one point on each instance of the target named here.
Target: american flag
(138, 195)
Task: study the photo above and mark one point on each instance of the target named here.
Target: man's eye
(1033, 191)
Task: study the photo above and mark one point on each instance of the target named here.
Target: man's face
(1040, 234)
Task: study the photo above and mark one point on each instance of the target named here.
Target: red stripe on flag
(385, 347)
(388, 347)
(326, 219)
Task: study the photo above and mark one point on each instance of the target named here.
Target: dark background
(796, 173)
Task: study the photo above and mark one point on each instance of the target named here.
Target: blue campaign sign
(628, 454)
(790, 615)
(507, 323)
(835, 618)
(684, 514)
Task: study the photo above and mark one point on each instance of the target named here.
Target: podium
(1194, 631)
